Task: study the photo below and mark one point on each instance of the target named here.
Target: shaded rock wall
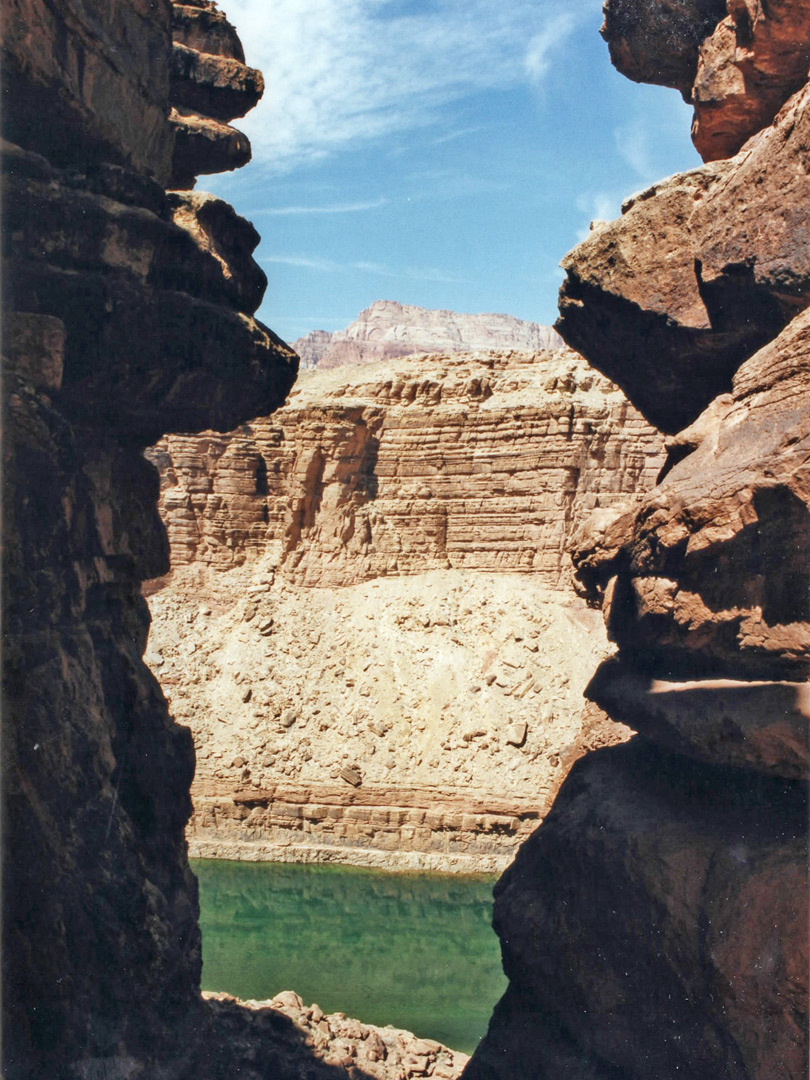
(101, 953)
(656, 923)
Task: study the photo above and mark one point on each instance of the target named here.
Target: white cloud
(331, 266)
(342, 72)
(544, 45)
(633, 144)
(334, 208)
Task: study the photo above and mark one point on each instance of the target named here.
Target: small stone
(247, 694)
(237, 763)
(516, 733)
(288, 718)
(351, 774)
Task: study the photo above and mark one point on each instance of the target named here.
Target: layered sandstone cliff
(656, 923)
(387, 329)
(370, 628)
(101, 952)
(475, 462)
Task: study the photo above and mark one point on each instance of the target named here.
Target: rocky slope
(388, 664)
(387, 329)
(656, 923)
(101, 953)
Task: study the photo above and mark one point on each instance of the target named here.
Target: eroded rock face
(478, 462)
(387, 329)
(119, 322)
(210, 86)
(655, 924)
(756, 58)
(658, 41)
(699, 272)
(737, 61)
(393, 518)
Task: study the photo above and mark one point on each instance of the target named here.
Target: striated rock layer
(471, 461)
(656, 923)
(420, 722)
(370, 629)
(387, 329)
(121, 321)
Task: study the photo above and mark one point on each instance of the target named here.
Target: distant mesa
(388, 329)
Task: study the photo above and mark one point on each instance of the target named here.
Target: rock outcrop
(210, 86)
(286, 1038)
(121, 322)
(656, 923)
(737, 61)
(387, 329)
(473, 462)
(699, 272)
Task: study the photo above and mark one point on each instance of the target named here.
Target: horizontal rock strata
(210, 86)
(474, 462)
(387, 329)
(415, 722)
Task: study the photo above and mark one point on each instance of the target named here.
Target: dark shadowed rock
(639, 927)
(657, 41)
(699, 272)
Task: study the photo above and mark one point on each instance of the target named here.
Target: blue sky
(445, 153)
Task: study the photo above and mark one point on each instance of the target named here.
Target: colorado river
(413, 950)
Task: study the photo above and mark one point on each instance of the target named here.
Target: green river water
(413, 950)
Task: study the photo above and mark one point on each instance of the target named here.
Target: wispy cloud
(335, 208)
(633, 143)
(342, 72)
(332, 266)
(547, 44)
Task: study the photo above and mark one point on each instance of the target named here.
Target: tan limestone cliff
(371, 630)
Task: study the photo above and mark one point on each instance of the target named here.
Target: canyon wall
(371, 629)
(475, 462)
(387, 329)
(656, 923)
(101, 948)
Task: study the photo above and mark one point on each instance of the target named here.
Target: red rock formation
(656, 923)
(700, 271)
(755, 59)
(738, 61)
(387, 329)
(479, 462)
(119, 324)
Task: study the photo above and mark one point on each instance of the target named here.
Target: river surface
(413, 950)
